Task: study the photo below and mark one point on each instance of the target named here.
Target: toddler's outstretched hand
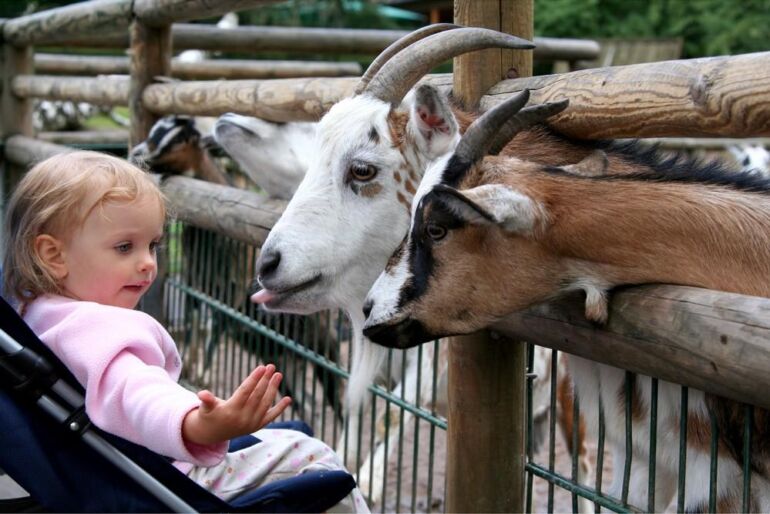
(247, 410)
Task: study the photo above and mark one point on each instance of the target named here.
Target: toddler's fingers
(268, 397)
(275, 411)
(261, 387)
(244, 391)
(208, 400)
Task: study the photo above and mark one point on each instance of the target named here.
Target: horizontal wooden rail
(706, 143)
(315, 41)
(713, 341)
(237, 213)
(276, 100)
(95, 17)
(711, 97)
(70, 21)
(56, 64)
(714, 96)
(106, 90)
(84, 137)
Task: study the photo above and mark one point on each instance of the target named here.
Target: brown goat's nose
(268, 264)
(368, 308)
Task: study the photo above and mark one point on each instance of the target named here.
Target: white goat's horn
(481, 133)
(396, 47)
(404, 69)
(525, 118)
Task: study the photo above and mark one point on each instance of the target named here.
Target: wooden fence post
(15, 112)
(485, 438)
(150, 56)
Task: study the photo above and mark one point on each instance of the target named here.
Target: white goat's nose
(268, 263)
(368, 306)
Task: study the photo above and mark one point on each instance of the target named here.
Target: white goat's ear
(432, 122)
(593, 165)
(496, 204)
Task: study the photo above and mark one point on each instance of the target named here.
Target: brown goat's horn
(482, 132)
(396, 47)
(404, 69)
(525, 118)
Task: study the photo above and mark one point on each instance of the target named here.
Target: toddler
(83, 230)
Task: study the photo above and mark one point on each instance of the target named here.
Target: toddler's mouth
(136, 287)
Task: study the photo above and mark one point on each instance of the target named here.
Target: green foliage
(13, 8)
(708, 27)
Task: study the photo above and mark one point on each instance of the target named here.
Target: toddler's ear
(49, 251)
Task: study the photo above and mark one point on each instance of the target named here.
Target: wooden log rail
(712, 97)
(85, 137)
(209, 69)
(714, 341)
(62, 24)
(316, 41)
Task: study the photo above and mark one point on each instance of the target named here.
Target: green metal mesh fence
(396, 450)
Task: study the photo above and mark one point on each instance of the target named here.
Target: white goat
(493, 235)
(352, 208)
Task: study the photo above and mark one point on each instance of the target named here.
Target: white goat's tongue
(262, 296)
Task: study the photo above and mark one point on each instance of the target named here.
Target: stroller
(50, 448)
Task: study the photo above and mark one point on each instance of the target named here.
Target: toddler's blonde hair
(55, 197)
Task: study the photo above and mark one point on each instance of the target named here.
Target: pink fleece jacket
(129, 366)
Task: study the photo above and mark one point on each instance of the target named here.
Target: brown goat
(499, 234)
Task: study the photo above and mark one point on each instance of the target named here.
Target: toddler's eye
(123, 248)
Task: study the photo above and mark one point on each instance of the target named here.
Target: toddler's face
(111, 259)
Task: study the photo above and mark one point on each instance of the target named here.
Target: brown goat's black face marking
(431, 214)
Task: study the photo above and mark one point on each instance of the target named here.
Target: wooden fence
(717, 97)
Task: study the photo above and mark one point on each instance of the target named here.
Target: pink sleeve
(129, 391)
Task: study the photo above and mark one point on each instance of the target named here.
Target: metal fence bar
(628, 384)
(530, 422)
(714, 452)
(653, 444)
(747, 434)
(552, 428)
(680, 495)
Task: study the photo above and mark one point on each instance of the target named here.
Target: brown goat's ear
(495, 204)
(432, 121)
(593, 165)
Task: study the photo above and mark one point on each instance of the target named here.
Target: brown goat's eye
(362, 172)
(435, 232)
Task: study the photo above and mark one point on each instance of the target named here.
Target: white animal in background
(752, 157)
(228, 21)
(273, 155)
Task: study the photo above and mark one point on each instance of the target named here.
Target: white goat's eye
(435, 232)
(362, 172)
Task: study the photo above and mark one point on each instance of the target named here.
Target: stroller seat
(54, 459)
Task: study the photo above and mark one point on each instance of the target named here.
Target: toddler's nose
(147, 263)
